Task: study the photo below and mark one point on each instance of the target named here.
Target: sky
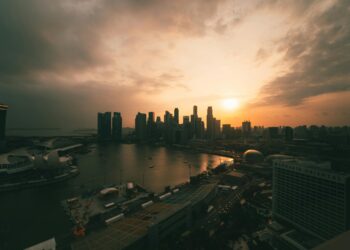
(273, 62)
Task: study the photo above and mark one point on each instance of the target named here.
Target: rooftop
(126, 231)
(134, 227)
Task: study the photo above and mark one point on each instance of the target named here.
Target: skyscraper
(140, 126)
(151, 126)
(3, 111)
(176, 115)
(226, 131)
(117, 126)
(210, 123)
(167, 117)
(104, 125)
(195, 111)
(246, 128)
(217, 129)
(311, 196)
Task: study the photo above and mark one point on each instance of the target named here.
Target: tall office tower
(288, 133)
(194, 122)
(117, 126)
(246, 128)
(195, 111)
(198, 129)
(176, 115)
(140, 126)
(217, 129)
(186, 119)
(3, 111)
(150, 117)
(311, 196)
(104, 125)
(167, 117)
(151, 126)
(186, 124)
(158, 120)
(226, 131)
(210, 123)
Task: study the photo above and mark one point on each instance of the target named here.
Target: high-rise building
(176, 115)
(217, 129)
(140, 126)
(210, 123)
(151, 126)
(246, 128)
(288, 133)
(3, 111)
(227, 131)
(117, 126)
(167, 117)
(186, 119)
(311, 196)
(104, 125)
(195, 111)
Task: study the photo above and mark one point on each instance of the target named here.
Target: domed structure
(39, 162)
(53, 159)
(253, 156)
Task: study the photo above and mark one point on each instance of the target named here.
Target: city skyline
(275, 63)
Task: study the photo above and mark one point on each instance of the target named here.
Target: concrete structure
(146, 228)
(311, 196)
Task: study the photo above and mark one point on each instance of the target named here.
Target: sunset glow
(132, 56)
(230, 104)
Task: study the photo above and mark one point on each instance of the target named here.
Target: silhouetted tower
(176, 115)
(195, 111)
(151, 125)
(117, 126)
(104, 125)
(140, 126)
(246, 128)
(210, 123)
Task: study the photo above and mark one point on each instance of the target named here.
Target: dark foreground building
(3, 111)
(312, 197)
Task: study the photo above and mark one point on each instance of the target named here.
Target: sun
(230, 103)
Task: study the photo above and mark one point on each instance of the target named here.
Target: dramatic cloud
(63, 61)
(43, 37)
(317, 57)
